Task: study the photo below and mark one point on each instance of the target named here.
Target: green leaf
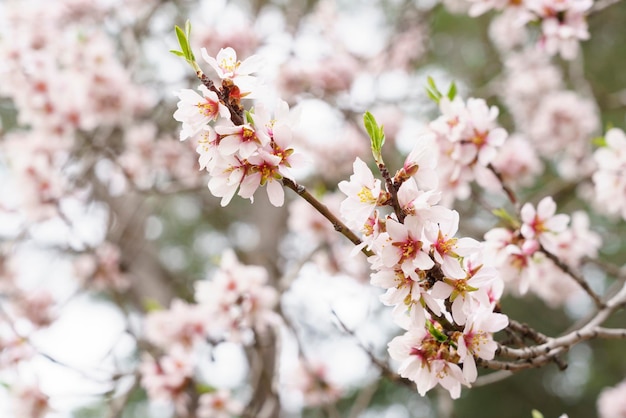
(178, 53)
(376, 134)
(203, 388)
(508, 219)
(599, 141)
(249, 118)
(152, 305)
(433, 96)
(187, 28)
(439, 336)
(536, 414)
(452, 91)
(432, 90)
(183, 41)
(431, 83)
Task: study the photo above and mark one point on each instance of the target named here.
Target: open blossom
(610, 177)
(539, 223)
(447, 249)
(517, 162)
(219, 404)
(30, 402)
(469, 293)
(612, 402)
(363, 192)
(243, 139)
(181, 325)
(227, 66)
(406, 247)
(563, 24)
(195, 111)
(426, 361)
(468, 139)
(166, 378)
(477, 339)
(237, 298)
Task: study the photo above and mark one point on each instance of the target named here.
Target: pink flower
(227, 66)
(448, 250)
(425, 361)
(469, 293)
(406, 247)
(477, 339)
(226, 176)
(243, 140)
(167, 377)
(541, 222)
(30, 402)
(219, 404)
(195, 111)
(612, 402)
(363, 192)
(610, 178)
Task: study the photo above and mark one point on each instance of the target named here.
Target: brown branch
(393, 191)
(509, 192)
(384, 369)
(324, 211)
(577, 278)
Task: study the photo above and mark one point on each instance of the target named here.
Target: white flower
(195, 111)
(542, 222)
(363, 192)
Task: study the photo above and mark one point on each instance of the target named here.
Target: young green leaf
(536, 414)
(599, 141)
(439, 336)
(452, 91)
(376, 134)
(506, 217)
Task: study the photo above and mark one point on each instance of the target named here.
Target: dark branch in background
(509, 192)
(384, 369)
(323, 209)
(577, 278)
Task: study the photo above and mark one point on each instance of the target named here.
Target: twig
(323, 209)
(491, 378)
(384, 369)
(393, 191)
(591, 330)
(577, 278)
(363, 399)
(509, 192)
(601, 5)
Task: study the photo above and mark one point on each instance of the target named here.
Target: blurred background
(105, 216)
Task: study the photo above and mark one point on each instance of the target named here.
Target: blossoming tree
(318, 213)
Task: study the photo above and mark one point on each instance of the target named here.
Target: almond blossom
(363, 192)
(195, 111)
(219, 404)
(610, 177)
(542, 223)
(406, 247)
(477, 339)
(426, 361)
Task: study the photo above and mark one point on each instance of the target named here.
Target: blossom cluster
(468, 139)
(241, 150)
(443, 291)
(521, 250)
(563, 23)
(234, 304)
